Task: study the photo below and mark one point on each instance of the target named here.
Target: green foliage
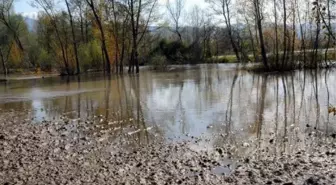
(159, 62)
(45, 60)
(173, 51)
(90, 55)
(177, 52)
(224, 59)
(33, 50)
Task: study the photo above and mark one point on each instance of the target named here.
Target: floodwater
(235, 106)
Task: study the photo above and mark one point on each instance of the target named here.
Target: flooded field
(215, 101)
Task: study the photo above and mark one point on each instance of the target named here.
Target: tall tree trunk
(102, 34)
(276, 35)
(329, 36)
(59, 39)
(226, 14)
(284, 57)
(81, 23)
(65, 61)
(4, 67)
(303, 35)
(293, 33)
(123, 39)
(252, 40)
(115, 35)
(261, 35)
(135, 18)
(74, 41)
(316, 42)
(121, 63)
(86, 27)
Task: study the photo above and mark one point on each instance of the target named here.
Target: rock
(277, 173)
(311, 181)
(139, 165)
(2, 137)
(219, 150)
(67, 147)
(246, 144)
(209, 126)
(277, 180)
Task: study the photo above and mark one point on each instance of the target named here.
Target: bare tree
(302, 32)
(139, 10)
(317, 12)
(6, 7)
(246, 10)
(222, 7)
(118, 17)
(175, 10)
(92, 5)
(48, 7)
(276, 33)
(285, 36)
(5, 48)
(74, 40)
(259, 18)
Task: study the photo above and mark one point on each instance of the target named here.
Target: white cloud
(32, 15)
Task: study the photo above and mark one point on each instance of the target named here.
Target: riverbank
(74, 152)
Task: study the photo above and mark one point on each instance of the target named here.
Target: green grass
(227, 58)
(223, 59)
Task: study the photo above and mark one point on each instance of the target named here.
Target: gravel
(78, 152)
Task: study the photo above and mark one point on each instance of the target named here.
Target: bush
(90, 56)
(175, 52)
(45, 60)
(159, 62)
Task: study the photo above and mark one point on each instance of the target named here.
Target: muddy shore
(71, 152)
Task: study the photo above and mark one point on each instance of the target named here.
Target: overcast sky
(23, 6)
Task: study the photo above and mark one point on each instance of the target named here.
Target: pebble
(49, 154)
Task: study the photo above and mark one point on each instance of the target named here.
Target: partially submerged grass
(298, 61)
(223, 59)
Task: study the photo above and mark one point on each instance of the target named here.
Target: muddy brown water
(205, 100)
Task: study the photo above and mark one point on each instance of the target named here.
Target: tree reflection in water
(271, 111)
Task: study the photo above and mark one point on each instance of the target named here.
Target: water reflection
(275, 111)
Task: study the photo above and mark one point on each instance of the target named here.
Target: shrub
(45, 60)
(159, 62)
(90, 56)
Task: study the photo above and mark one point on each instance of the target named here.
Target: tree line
(118, 35)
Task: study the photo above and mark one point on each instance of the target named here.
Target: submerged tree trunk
(303, 35)
(293, 33)
(74, 41)
(123, 45)
(252, 42)
(260, 30)
(276, 36)
(316, 42)
(102, 35)
(65, 61)
(284, 57)
(3, 60)
(329, 36)
(226, 14)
